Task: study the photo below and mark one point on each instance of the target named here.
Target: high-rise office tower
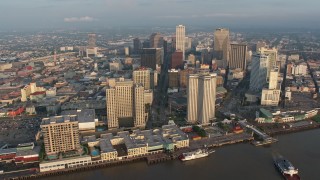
(188, 43)
(177, 60)
(273, 57)
(136, 45)
(151, 57)
(124, 101)
(139, 106)
(60, 134)
(142, 76)
(92, 40)
(166, 48)
(180, 38)
(146, 44)
(201, 98)
(221, 44)
(119, 102)
(259, 69)
(192, 96)
(173, 78)
(156, 40)
(238, 56)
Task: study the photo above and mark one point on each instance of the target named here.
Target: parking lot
(18, 130)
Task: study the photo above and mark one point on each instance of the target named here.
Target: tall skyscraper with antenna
(180, 39)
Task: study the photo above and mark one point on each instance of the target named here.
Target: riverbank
(149, 159)
(157, 158)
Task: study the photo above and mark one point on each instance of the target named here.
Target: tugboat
(199, 153)
(288, 171)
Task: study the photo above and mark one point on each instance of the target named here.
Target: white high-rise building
(125, 100)
(139, 106)
(273, 58)
(193, 80)
(271, 96)
(201, 98)
(180, 38)
(142, 76)
(273, 79)
(258, 77)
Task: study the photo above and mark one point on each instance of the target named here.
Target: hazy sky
(108, 13)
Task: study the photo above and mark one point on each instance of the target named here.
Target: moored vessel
(199, 153)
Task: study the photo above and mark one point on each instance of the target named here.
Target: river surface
(240, 161)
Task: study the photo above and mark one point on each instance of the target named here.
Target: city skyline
(108, 13)
(87, 84)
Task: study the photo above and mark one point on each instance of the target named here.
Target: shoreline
(150, 160)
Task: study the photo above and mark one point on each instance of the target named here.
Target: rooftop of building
(59, 119)
(266, 112)
(83, 116)
(168, 134)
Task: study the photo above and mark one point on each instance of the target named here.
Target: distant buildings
(192, 59)
(238, 56)
(66, 48)
(221, 45)
(201, 94)
(136, 45)
(31, 90)
(92, 40)
(92, 50)
(60, 134)
(188, 43)
(260, 44)
(298, 69)
(156, 40)
(180, 39)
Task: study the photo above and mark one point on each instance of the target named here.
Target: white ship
(199, 153)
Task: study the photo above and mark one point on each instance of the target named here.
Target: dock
(221, 140)
(151, 159)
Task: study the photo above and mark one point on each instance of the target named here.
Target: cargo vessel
(199, 153)
(285, 167)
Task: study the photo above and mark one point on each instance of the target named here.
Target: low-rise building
(138, 143)
(64, 163)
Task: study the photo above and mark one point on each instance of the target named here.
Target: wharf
(93, 165)
(221, 140)
(280, 131)
(151, 159)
